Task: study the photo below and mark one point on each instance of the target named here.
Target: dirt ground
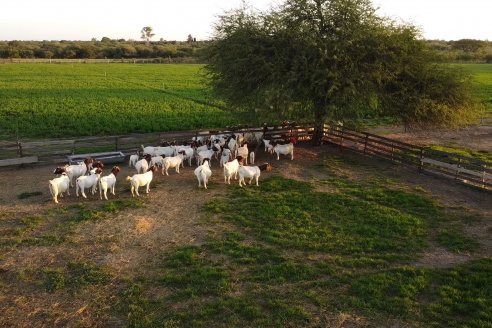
(476, 138)
(172, 217)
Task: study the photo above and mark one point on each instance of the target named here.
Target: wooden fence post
(458, 168)
(421, 165)
(341, 138)
(19, 148)
(116, 143)
(365, 141)
(483, 175)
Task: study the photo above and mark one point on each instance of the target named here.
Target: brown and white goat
(143, 179)
(108, 182)
(88, 181)
(252, 172)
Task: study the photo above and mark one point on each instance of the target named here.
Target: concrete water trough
(107, 157)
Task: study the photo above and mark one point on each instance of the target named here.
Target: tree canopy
(332, 59)
(147, 34)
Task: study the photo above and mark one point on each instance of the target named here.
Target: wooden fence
(461, 168)
(457, 167)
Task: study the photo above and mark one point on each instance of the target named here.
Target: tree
(189, 39)
(321, 59)
(147, 34)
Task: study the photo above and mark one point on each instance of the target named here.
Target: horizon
(56, 20)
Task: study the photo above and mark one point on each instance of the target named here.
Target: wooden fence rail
(462, 168)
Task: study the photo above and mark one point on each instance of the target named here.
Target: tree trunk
(319, 125)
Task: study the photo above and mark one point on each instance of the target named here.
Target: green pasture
(55, 101)
(67, 100)
(482, 76)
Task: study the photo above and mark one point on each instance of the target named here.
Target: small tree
(190, 38)
(147, 34)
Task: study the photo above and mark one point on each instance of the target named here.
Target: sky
(176, 19)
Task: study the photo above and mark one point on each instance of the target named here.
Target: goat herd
(232, 150)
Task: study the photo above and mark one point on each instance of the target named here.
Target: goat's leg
(257, 180)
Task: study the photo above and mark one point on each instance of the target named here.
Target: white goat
(201, 148)
(231, 169)
(59, 185)
(232, 144)
(267, 144)
(159, 160)
(252, 172)
(252, 157)
(150, 150)
(143, 179)
(188, 154)
(204, 154)
(284, 150)
(239, 138)
(172, 162)
(253, 137)
(87, 181)
(243, 152)
(142, 165)
(76, 170)
(203, 173)
(108, 182)
(133, 160)
(164, 151)
(226, 155)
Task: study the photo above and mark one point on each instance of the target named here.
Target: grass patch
(74, 276)
(454, 239)
(336, 223)
(482, 155)
(457, 297)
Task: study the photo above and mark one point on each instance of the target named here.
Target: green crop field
(52, 101)
(482, 74)
(55, 101)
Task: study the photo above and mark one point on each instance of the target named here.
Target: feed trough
(106, 158)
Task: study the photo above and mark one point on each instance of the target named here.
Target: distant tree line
(465, 50)
(104, 49)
